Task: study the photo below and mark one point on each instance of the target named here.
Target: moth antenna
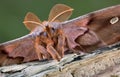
(31, 21)
(60, 12)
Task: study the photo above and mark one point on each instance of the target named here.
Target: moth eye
(52, 30)
(114, 20)
(43, 33)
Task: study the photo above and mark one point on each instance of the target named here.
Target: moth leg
(55, 55)
(61, 43)
(40, 50)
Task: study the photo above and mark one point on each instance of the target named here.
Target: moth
(59, 36)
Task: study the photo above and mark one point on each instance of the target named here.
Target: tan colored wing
(60, 12)
(31, 21)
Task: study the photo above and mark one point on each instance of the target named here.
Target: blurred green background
(12, 13)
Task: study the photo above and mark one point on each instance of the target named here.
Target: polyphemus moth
(57, 36)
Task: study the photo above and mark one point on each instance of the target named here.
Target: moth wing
(99, 22)
(105, 23)
(60, 12)
(18, 51)
(31, 21)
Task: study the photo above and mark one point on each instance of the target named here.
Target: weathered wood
(102, 63)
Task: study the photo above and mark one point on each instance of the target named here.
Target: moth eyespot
(114, 20)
